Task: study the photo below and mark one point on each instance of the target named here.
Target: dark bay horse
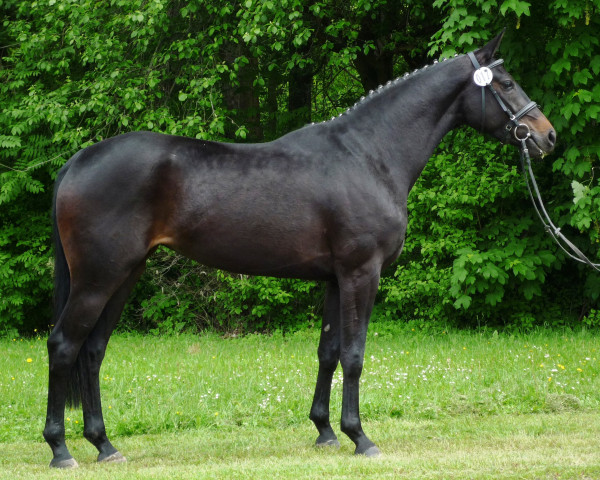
(325, 202)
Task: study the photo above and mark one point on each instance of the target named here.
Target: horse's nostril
(552, 137)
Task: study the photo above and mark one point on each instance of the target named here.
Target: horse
(325, 202)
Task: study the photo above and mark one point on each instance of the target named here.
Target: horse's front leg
(329, 355)
(358, 288)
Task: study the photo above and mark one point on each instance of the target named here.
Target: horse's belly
(256, 249)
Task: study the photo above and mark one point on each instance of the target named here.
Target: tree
(73, 73)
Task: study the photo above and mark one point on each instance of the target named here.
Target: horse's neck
(404, 123)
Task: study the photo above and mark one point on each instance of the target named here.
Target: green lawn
(453, 405)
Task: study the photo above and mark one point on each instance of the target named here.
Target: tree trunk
(300, 97)
(243, 99)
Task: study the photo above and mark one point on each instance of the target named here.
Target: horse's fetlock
(94, 435)
(319, 415)
(95, 432)
(351, 426)
(53, 433)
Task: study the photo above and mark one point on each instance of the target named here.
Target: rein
(483, 78)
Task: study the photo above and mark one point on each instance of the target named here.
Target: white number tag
(483, 76)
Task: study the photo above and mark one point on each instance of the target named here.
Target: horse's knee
(352, 364)
(328, 359)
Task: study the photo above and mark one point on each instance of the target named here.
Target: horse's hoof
(371, 452)
(116, 457)
(331, 443)
(65, 463)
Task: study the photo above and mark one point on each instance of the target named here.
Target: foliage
(473, 246)
(73, 73)
(190, 295)
(554, 50)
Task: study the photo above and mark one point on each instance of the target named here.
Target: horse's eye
(507, 85)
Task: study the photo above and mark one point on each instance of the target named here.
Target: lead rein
(538, 205)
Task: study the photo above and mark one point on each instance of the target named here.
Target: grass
(452, 405)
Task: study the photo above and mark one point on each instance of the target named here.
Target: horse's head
(506, 111)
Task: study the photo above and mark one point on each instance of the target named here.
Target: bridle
(483, 78)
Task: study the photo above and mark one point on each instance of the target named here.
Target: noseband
(483, 78)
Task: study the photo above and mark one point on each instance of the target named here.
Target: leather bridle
(483, 78)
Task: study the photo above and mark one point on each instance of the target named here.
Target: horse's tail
(62, 288)
(62, 276)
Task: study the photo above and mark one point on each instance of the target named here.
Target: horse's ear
(487, 52)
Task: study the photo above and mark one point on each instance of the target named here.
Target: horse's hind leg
(81, 312)
(89, 362)
(92, 286)
(329, 355)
